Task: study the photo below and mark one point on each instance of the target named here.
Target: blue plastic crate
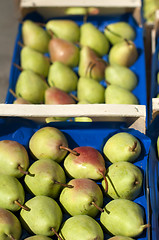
(93, 134)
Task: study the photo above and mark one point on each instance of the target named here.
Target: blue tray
(100, 22)
(93, 134)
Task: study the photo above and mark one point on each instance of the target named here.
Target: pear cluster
(64, 63)
(52, 190)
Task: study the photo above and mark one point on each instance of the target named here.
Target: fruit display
(98, 60)
(72, 189)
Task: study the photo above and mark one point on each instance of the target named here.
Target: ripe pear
(44, 216)
(123, 217)
(10, 227)
(11, 193)
(39, 237)
(35, 61)
(47, 142)
(117, 32)
(63, 51)
(118, 95)
(84, 198)
(92, 37)
(31, 87)
(123, 53)
(90, 65)
(121, 76)
(62, 77)
(76, 11)
(14, 159)
(124, 180)
(64, 29)
(120, 238)
(81, 227)
(34, 36)
(45, 177)
(54, 95)
(90, 90)
(122, 147)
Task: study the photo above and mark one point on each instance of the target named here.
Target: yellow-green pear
(39, 237)
(76, 11)
(120, 238)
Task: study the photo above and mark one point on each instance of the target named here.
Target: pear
(123, 53)
(35, 61)
(123, 217)
(90, 65)
(90, 90)
(47, 143)
(14, 159)
(54, 95)
(82, 119)
(76, 11)
(94, 38)
(84, 198)
(117, 32)
(45, 177)
(38, 237)
(81, 227)
(11, 193)
(158, 147)
(118, 95)
(121, 76)
(120, 238)
(10, 227)
(18, 100)
(63, 51)
(35, 93)
(62, 77)
(44, 216)
(34, 36)
(124, 180)
(64, 29)
(122, 147)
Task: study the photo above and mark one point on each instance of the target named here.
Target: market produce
(47, 142)
(118, 95)
(90, 36)
(14, 159)
(10, 227)
(122, 146)
(82, 11)
(38, 237)
(120, 238)
(123, 217)
(121, 76)
(123, 53)
(90, 65)
(81, 227)
(44, 216)
(84, 198)
(62, 77)
(124, 180)
(117, 32)
(90, 90)
(34, 36)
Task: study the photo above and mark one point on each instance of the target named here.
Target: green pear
(45, 177)
(120, 238)
(90, 65)
(62, 77)
(64, 29)
(10, 227)
(118, 95)
(31, 87)
(121, 76)
(81, 227)
(82, 119)
(123, 53)
(76, 11)
(47, 143)
(35, 61)
(44, 216)
(11, 193)
(14, 159)
(117, 32)
(34, 36)
(122, 147)
(90, 90)
(123, 217)
(90, 36)
(124, 180)
(39, 237)
(84, 198)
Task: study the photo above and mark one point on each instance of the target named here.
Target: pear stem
(17, 66)
(11, 237)
(13, 93)
(133, 148)
(70, 150)
(106, 182)
(58, 236)
(85, 17)
(22, 170)
(22, 206)
(116, 34)
(100, 209)
(20, 44)
(90, 63)
(146, 225)
(51, 33)
(74, 97)
(127, 41)
(63, 184)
